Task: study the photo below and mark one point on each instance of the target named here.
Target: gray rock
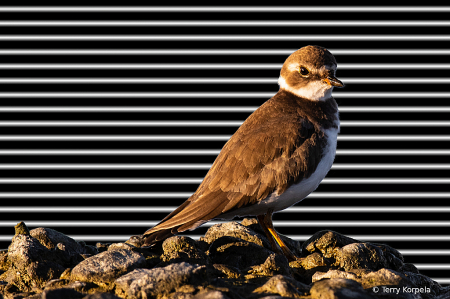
(445, 293)
(147, 283)
(105, 267)
(232, 261)
(386, 282)
(31, 264)
(339, 288)
(117, 246)
(326, 243)
(56, 283)
(394, 259)
(283, 286)
(211, 295)
(312, 261)
(68, 251)
(335, 274)
(273, 265)
(50, 238)
(305, 268)
(237, 253)
(421, 281)
(360, 256)
(179, 249)
(383, 277)
(236, 230)
(227, 271)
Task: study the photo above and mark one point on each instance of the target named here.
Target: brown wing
(250, 166)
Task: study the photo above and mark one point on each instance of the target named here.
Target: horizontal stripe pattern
(134, 103)
(171, 152)
(207, 123)
(243, 37)
(197, 181)
(216, 52)
(322, 23)
(254, 9)
(169, 209)
(218, 66)
(210, 80)
(352, 109)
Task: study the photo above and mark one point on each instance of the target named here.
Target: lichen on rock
(105, 267)
(148, 283)
(232, 261)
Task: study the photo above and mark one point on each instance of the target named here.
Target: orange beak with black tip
(333, 81)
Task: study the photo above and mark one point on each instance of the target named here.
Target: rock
(444, 294)
(145, 283)
(393, 258)
(227, 271)
(4, 265)
(338, 288)
(273, 265)
(21, 229)
(237, 253)
(231, 261)
(235, 230)
(305, 268)
(69, 251)
(105, 267)
(117, 246)
(211, 295)
(56, 283)
(360, 256)
(102, 246)
(179, 249)
(283, 286)
(61, 293)
(334, 274)
(101, 296)
(136, 240)
(421, 281)
(383, 277)
(326, 243)
(50, 238)
(31, 264)
(313, 261)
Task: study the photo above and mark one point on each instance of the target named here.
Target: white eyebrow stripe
(293, 67)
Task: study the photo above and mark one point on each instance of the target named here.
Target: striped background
(111, 116)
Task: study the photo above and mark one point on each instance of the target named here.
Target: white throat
(314, 91)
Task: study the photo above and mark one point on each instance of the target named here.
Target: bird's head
(310, 73)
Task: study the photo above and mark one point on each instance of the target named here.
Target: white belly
(296, 192)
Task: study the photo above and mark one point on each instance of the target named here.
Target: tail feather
(190, 215)
(157, 236)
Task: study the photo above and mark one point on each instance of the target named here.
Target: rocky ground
(233, 260)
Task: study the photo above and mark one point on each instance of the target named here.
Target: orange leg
(266, 223)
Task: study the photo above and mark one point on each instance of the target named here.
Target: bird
(275, 159)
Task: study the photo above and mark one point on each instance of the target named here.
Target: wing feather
(256, 161)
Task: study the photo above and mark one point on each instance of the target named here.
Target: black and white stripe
(105, 122)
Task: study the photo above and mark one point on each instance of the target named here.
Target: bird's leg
(275, 247)
(266, 223)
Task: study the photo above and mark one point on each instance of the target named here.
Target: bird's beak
(333, 81)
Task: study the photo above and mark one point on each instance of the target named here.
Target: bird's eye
(303, 71)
